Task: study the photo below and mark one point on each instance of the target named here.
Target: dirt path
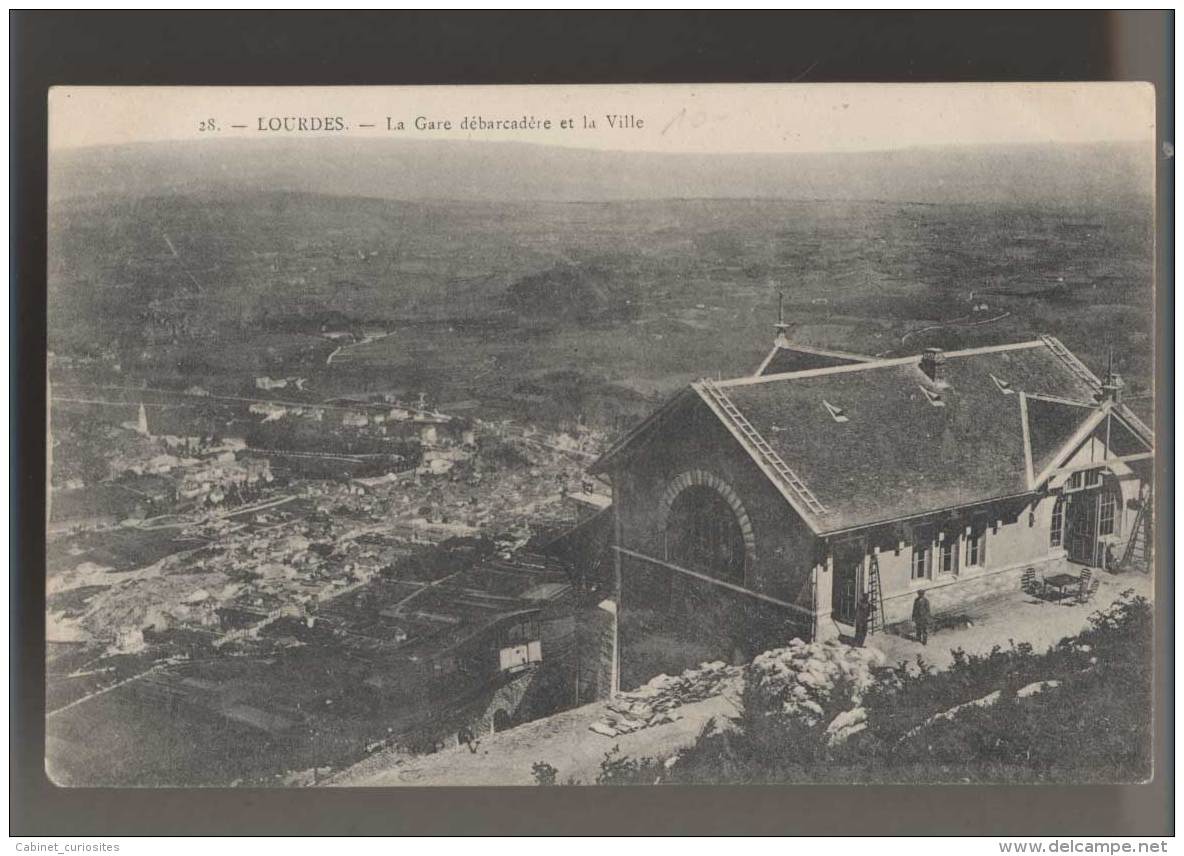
(954, 323)
(343, 349)
(103, 691)
(506, 758)
(224, 515)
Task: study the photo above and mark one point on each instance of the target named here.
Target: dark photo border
(306, 48)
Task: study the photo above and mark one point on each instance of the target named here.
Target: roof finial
(1113, 385)
(782, 327)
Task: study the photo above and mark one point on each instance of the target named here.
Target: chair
(1086, 586)
(1089, 591)
(1028, 582)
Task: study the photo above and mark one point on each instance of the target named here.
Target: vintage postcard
(600, 435)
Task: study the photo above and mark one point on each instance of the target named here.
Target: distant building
(179, 426)
(501, 636)
(269, 383)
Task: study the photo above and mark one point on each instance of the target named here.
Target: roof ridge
(1079, 435)
(745, 380)
(826, 352)
(598, 466)
(1123, 412)
(1056, 399)
(768, 359)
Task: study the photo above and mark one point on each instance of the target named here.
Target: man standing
(863, 614)
(921, 617)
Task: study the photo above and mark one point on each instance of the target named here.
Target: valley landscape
(474, 342)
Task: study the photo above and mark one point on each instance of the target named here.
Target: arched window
(703, 534)
(1056, 532)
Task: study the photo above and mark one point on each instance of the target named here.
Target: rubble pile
(798, 679)
(655, 702)
(801, 677)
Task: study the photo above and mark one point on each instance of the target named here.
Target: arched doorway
(706, 530)
(501, 720)
(1091, 516)
(703, 533)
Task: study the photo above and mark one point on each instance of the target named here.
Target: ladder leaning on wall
(1137, 552)
(875, 591)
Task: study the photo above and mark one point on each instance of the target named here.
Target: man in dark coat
(921, 617)
(863, 614)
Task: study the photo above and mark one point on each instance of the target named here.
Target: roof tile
(897, 455)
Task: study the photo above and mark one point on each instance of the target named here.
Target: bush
(618, 769)
(544, 773)
(1084, 716)
(766, 744)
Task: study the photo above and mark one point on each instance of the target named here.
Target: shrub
(767, 743)
(1084, 716)
(544, 773)
(618, 769)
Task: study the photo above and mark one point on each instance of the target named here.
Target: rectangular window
(947, 552)
(1083, 479)
(947, 555)
(976, 545)
(1107, 513)
(922, 554)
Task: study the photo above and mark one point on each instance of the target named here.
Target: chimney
(933, 362)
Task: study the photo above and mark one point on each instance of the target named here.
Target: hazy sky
(683, 118)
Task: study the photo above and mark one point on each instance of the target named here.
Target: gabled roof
(1051, 424)
(788, 356)
(906, 446)
(1105, 421)
(638, 435)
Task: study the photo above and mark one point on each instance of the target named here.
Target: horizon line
(382, 137)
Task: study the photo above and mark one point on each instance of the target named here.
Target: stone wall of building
(695, 449)
(509, 699)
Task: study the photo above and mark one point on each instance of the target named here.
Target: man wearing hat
(921, 617)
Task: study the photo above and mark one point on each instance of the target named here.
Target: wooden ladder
(1070, 360)
(875, 590)
(1136, 551)
(788, 476)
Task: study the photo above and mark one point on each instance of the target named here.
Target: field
(644, 296)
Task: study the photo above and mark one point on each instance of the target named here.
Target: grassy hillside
(477, 297)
